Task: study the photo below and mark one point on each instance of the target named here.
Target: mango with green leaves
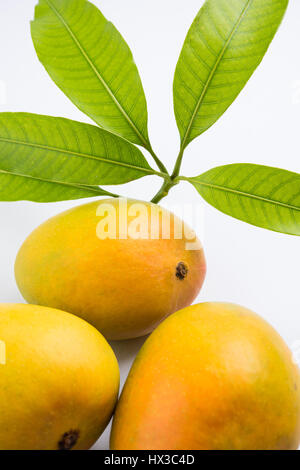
(122, 265)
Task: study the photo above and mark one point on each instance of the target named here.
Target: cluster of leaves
(47, 159)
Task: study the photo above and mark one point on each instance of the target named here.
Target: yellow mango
(211, 377)
(125, 281)
(59, 380)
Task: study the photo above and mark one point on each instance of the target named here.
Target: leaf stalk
(158, 162)
(171, 181)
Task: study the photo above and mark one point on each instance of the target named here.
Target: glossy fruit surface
(211, 377)
(122, 265)
(59, 380)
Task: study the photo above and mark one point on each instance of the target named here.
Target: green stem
(164, 190)
(162, 175)
(182, 178)
(171, 181)
(158, 162)
(178, 164)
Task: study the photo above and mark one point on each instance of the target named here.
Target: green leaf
(92, 64)
(46, 159)
(224, 46)
(67, 151)
(15, 187)
(260, 195)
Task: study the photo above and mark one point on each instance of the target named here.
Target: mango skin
(59, 386)
(211, 377)
(123, 287)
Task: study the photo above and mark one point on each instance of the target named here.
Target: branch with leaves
(46, 159)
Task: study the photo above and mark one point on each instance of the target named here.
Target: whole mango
(122, 265)
(59, 380)
(211, 377)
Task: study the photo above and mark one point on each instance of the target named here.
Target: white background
(246, 265)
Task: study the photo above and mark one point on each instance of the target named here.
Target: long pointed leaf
(15, 187)
(92, 64)
(224, 46)
(260, 195)
(67, 151)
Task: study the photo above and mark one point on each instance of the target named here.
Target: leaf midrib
(45, 180)
(97, 73)
(213, 71)
(77, 154)
(244, 194)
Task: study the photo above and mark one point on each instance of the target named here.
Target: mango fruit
(211, 377)
(122, 265)
(59, 380)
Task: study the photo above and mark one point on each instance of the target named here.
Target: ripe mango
(59, 380)
(211, 377)
(115, 263)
